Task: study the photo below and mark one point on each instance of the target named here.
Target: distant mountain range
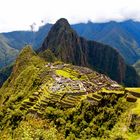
(12, 42)
(7, 53)
(123, 36)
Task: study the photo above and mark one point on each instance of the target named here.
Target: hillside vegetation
(5, 73)
(7, 53)
(54, 100)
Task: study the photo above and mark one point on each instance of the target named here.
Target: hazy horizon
(82, 22)
(19, 15)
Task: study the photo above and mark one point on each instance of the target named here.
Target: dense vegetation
(47, 99)
(5, 73)
(7, 53)
(31, 107)
(83, 122)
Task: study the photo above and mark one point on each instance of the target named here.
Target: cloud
(130, 14)
(20, 14)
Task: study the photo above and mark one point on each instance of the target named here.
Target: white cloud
(19, 14)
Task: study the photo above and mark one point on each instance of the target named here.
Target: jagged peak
(61, 29)
(60, 25)
(62, 21)
(26, 51)
(24, 56)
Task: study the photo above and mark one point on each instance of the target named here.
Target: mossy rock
(131, 98)
(32, 110)
(32, 99)
(45, 101)
(136, 94)
(68, 98)
(36, 107)
(54, 100)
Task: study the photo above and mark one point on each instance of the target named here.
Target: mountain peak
(23, 58)
(62, 21)
(60, 34)
(62, 24)
(68, 47)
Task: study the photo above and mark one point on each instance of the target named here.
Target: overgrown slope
(43, 100)
(5, 73)
(7, 53)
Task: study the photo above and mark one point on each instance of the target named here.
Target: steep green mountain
(7, 53)
(5, 73)
(123, 36)
(67, 46)
(18, 39)
(58, 101)
(40, 35)
(12, 42)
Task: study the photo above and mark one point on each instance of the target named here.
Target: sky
(20, 14)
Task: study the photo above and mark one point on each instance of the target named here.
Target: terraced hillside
(67, 86)
(43, 100)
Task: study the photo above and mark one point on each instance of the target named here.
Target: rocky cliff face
(65, 43)
(67, 46)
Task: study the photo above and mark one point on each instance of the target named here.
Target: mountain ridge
(7, 53)
(123, 36)
(67, 46)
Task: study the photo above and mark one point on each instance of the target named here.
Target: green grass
(65, 74)
(132, 136)
(133, 89)
(112, 91)
(136, 109)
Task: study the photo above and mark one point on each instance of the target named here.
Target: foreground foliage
(34, 107)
